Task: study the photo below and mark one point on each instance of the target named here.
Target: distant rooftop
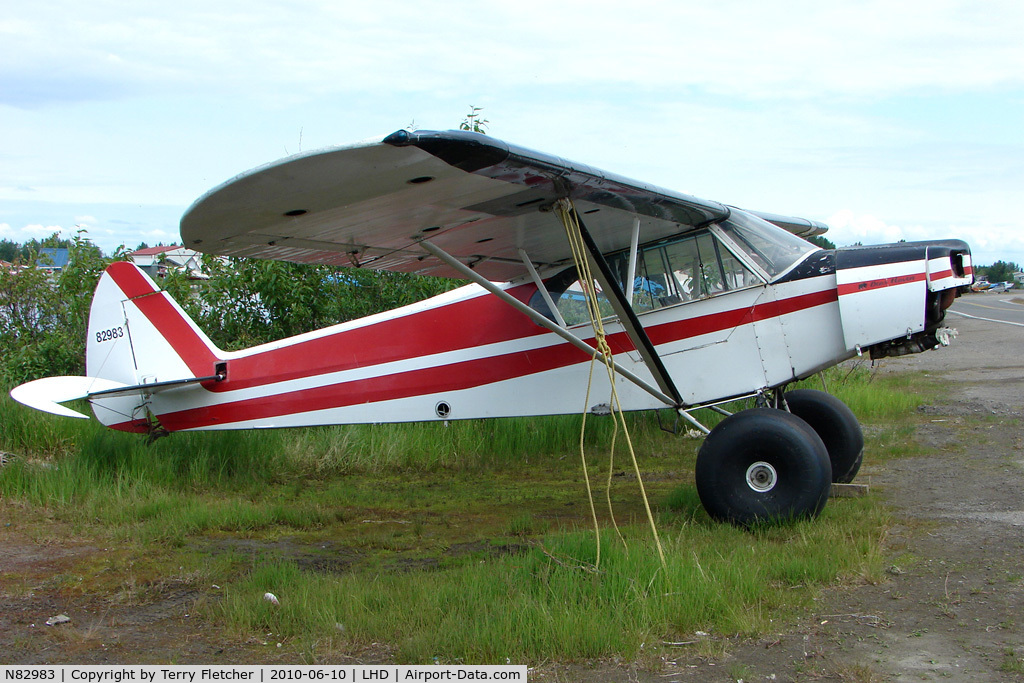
(51, 257)
(153, 251)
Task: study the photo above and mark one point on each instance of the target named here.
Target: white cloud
(32, 231)
(988, 243)
(845, 228)
(281, 54)
(40, 231)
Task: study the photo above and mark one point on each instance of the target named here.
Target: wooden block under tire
(849, 490)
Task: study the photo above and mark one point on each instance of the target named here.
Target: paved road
(1004, 307)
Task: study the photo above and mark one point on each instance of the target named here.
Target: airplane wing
(477, 198)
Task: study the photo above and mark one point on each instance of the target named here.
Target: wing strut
(620, 302)
(542, 289)
(536, 317)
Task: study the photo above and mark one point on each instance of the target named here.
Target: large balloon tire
(837, 426)
(763, 465)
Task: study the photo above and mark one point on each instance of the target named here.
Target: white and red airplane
(701, 303)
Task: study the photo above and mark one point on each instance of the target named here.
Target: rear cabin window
(568, 294)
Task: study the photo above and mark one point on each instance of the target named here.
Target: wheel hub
(761, 477)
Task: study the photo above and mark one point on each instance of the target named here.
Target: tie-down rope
(567, 212)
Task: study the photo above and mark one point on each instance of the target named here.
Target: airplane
(691, 303)
(982, 285)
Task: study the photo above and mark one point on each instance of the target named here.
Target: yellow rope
(575, 244)
(579, 253)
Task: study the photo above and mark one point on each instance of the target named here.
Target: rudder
(137, 335)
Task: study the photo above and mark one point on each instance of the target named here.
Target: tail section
(139, 336)
(140, 341)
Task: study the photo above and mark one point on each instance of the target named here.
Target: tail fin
(138, 335)
(140, 341)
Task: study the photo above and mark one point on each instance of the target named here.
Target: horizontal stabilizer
(48, 393)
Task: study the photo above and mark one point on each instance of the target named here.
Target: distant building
(156, 260)
(52, 259)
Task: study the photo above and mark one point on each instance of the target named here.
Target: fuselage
(466, 354)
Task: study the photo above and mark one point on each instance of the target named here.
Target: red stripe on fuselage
(443, 378)
(465, 374)
(686, 328)
(464, 324)
(879, 283)
(943, 274)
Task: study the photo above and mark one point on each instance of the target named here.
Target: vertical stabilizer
(140, 335)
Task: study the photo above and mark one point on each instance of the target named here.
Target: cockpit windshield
(772, 248)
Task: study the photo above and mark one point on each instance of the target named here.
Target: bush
(44, 316)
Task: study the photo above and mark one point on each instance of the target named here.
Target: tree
(9, 251)
(1000, 271)
(44, 316)
(474, 122)
(822, 242)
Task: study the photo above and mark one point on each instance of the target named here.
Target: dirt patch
(323, 557)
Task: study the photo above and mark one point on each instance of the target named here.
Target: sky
(885, 119)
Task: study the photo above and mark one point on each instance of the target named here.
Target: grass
(551, 601)
(1012, 663)
(459, 542)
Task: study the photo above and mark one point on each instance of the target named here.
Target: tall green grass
(552, 602)
(869, 395)
(95, 474)
(195, 458)
(197, 482)
(457, 445)
(203, 459)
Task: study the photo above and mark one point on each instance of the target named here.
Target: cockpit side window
(682, 270)
(667, 273)
(735, 274)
